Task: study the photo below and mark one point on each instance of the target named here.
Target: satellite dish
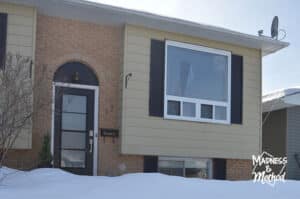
(274, 27)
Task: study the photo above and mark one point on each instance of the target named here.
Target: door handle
(91, 140)
(91, 146)
(91, 133)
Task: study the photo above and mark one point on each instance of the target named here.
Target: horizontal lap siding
(21, 28)
(293, 142)
(142, 134)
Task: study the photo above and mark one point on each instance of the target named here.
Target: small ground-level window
(171, 167)
(186, 167)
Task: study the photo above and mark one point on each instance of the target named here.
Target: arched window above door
(76, 73)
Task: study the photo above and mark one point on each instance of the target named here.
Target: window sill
(188, 119)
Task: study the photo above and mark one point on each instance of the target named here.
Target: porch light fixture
(75, 77)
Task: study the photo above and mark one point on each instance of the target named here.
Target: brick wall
(237, 169)
(112, 163)
(100, 47)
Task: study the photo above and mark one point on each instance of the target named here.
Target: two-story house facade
(139, 92)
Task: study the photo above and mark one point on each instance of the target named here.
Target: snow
(280, 93)
(58, 184)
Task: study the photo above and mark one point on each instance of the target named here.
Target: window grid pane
(72, 158)
(173, 107)
(220, 113)
(196, 111)
(73, 140)
(74, 121)
(171, 167)
(189, 109)
(74, 103)
(197, 74)
(206, 111)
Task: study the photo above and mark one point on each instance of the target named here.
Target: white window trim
(194, 100)
(184, 159)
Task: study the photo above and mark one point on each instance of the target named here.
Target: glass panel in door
(73, 131)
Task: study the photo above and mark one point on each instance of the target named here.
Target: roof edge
(150, 20)
(281, 44)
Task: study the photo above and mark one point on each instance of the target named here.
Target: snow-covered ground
(57, 184)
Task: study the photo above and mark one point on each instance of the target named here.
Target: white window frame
(197, 102)
(185, 159)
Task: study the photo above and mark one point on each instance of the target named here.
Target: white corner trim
(52, 118)
(96, 133)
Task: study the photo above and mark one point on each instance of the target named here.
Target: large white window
(197, 83)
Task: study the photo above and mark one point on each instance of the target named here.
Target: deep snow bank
(57, 184)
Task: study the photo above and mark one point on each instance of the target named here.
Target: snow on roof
(281, 99)
(280, 94)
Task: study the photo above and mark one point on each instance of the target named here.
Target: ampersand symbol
(268, 169)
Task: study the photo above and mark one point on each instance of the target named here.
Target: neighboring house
(281, 128)
(140, 92)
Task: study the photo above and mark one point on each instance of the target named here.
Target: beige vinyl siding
(145, 135)
(21, 31)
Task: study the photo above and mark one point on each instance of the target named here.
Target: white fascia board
(106, 14)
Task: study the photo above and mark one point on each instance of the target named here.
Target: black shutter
(156, 95)
(150, 164)
(3, 32)
(219, 169)
(236, 89)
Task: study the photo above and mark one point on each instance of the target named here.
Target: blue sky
(280, 70)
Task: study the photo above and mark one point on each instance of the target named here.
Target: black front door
(74, 125)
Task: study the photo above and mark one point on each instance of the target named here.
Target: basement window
(185, 167)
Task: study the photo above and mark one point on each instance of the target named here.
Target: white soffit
(106, 14)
